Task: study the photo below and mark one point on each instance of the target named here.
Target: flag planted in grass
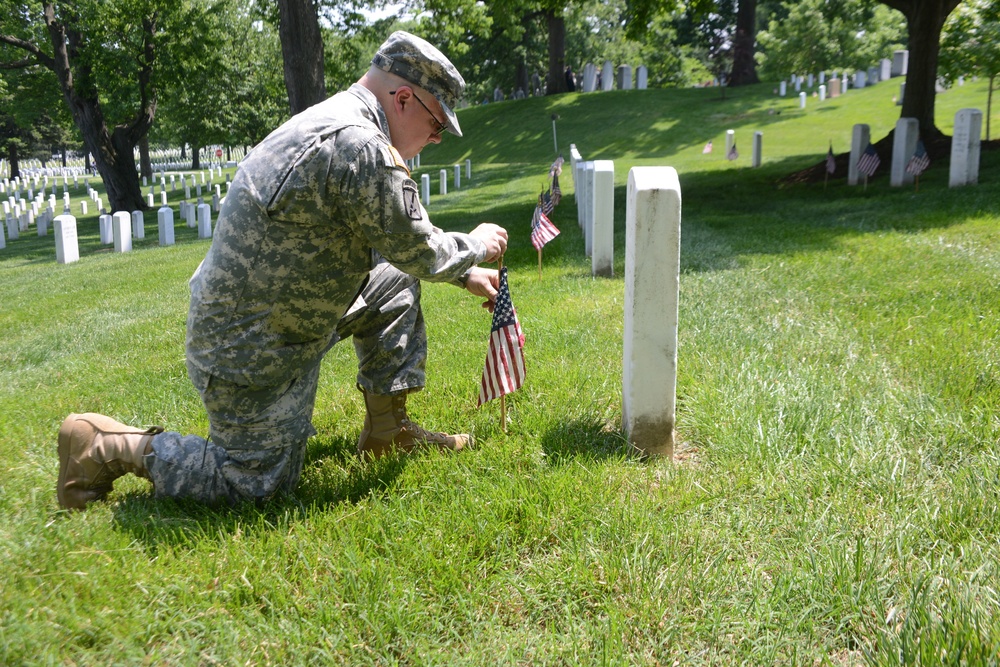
(831, 162)
(542, 229)
(733, 153)
(504, 371)
(556, 190)
(920, 160)
(707, 148)
(869, 161)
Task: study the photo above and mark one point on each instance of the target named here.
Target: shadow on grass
(584, 438)
(332, 475)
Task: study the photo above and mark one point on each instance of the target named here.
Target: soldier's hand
(495, 238)
(484, 282)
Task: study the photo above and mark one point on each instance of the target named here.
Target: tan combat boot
(94, 451)
(387, 428)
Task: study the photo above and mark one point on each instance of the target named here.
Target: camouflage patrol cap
(420, 63)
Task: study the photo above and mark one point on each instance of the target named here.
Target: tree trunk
(145, 164)
(113, 151)
(744, 68)
(62, 153)
(557, 52)
(924, 20)
(15, 160)
(302, 53)
(195, 156)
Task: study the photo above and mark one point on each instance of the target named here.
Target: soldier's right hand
(494, 237)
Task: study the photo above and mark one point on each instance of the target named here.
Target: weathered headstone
(860, 136)
(589, 78)
(782, 88)
(624, 77)
(458, 176)
(105, 229)
(802, 100)
(904, 145)
(652, 280)
(468, 169)
(730, 140)
(588, 208)
(603, 244)
(138, 225)
(822, 93)
(425, 189)
(443, 174)
(67, 244)
(204, 221)
(900, 62)
(165, 225)
(758, 148)
(965, 147)
(885, 69)
(641, 78)
(607, 76)
(834, 89)
(860, 79)
(121, 225)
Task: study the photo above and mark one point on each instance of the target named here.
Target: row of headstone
(963, 167)
(609, 77)
(652, 282)
(861, 78)
(425, 180)
(595, 204)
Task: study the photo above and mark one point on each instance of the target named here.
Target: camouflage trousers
(257, 437)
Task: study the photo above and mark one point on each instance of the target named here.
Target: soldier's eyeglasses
(441, 126)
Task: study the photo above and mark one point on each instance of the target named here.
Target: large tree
(106, 55)
(924, 20)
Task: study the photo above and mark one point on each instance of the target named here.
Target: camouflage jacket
(308, 213)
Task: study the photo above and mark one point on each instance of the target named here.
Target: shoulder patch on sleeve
(394, 159)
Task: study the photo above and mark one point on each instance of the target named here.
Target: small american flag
(919, 162)
(733, 153)
(504, 371)
(869, 161)
(707, 148)
(556, 167)
(542, 229)
(831, 162)
(556, 190)
(545, 201)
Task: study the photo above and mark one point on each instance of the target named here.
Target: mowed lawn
(834, 495)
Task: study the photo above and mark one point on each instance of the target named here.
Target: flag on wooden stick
(733, 153)
(920, 160)
(504, 370)
(542, 229)
(556, 190)
(707, 148)
(869, 161)
(831, 161)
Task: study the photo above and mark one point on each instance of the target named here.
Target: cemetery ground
(834, 498)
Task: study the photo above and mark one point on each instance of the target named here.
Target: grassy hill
(834, 499)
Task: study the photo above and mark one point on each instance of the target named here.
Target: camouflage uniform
(322, 236)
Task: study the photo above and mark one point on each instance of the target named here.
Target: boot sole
(65, 434)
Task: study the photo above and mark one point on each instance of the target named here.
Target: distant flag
(831, 162)
(556, 167)
(556, 190)
(707, 148)
(733, 154)
(504, 370)
(919, 162)
(542, 229)
(869, 161)
(545, 201)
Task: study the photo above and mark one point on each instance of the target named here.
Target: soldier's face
(418, 124)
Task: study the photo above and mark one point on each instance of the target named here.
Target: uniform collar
(372, 105)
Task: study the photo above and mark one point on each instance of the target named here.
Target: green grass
(835, 499)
